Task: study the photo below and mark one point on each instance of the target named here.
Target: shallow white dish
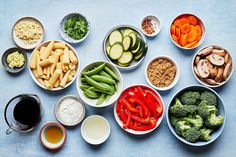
(176, 75)
(156, 23)
(97, 124)
(92, 102)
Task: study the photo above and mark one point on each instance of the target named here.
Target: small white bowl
(58, 88)
(58, 104)
(95, 124)
(92, 102)
(176, 75)
(134, 132)
(156, 22)
(44, 141)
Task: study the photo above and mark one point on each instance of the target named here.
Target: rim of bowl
(94, 142)
(134, 132)
(204, 83)
(48, 124)
(177, 75)
(58, 88)
(202, 26)
(59, 103)
(138, 63)
(80, 92)
(66, 37)
(18, 70)
(171, 128)
(157, 19)
(40, 41)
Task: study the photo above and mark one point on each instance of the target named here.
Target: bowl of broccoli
(196, 115)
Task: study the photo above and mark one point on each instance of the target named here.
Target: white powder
(70, 111)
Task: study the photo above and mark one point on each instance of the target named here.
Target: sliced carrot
(184, 39)
(191, 44)
(184, 21)
(199, 29)
(174, 38)
(192, 36)
(177, 23)
(177, 32)
(193, 20)
(172, 29)
(185, 28)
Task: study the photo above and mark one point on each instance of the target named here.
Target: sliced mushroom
(219, 75)
(209, 65)
(213, 72)
(220, 52)
(203, 69)
(212, 82)
(196, 71)
(196, 60)
(216, 59)
(206, 51)
(226, 57)
(226, 71)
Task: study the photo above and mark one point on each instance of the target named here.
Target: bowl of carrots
(187, 31)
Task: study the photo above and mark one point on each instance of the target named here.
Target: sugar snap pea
(84, 87)
(110, 72)
(96, 84)
(111, 87)
(103, 79)
(108, 97)
(95, 70)
(91, 94)
(83, 80)
(103, 73)
(101, 99)
(101, 91)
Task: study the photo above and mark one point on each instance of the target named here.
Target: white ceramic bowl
(202, 26)
(92, 102)
(176, 75)
(134, 132)
(97, 124)
(44, 141)
(58, 104)
(67, 37)
(156, 23)
(58, 88)
(20, 43)
(205, 83)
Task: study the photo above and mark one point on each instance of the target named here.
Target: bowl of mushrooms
(212, 66)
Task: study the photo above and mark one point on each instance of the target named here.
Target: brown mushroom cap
(203, 68)
(216, 59)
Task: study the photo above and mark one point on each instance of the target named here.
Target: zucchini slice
(127, 31)
(127, 42)
(114, 37)
(108, 49)
(138, 47)
(116, 51)
(125, 58)
(123, 65)
(134, 40)
(139, 56)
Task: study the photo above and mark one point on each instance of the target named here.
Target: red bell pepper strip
(143, 105)
(129, 106)
(144, 121)
(156, 102)
(142, 127)
(126, 124)
(122, 116)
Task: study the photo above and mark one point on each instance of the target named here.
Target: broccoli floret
(213, 121)
(192, 108)
(178, 109)
(209, 97)
(205, 134)
(174, 120)
(181, 127)
(190, 98)
(192, 134)
(195, 120)
(204, 110)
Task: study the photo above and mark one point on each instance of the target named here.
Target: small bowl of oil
(52, 135)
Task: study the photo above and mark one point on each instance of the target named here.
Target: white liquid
(96, 128)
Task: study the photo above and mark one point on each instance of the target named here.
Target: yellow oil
(53, 134)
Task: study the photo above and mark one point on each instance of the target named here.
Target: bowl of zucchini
(125, 46)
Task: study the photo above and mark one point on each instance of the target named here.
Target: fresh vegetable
(15, 60)
(139, 108)
(193, 117)
(76, 27)
(99, 82)
(124, 46)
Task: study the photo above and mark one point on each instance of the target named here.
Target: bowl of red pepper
(139, 109)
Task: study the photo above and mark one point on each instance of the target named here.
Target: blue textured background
(220, 21)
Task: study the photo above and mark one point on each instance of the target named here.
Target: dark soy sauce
(27, 112)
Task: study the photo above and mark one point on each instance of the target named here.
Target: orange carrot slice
(177, 23)
(192, 36)
(177, 32)
(184, 21)
(174, 38)
(199, 29)
(189, 45)
(184, 39)
(172, 29)
(185, 28)
(193, 20)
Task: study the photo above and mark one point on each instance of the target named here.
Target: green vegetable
(101, 99)
(103, 79)
(213, 121)
(204, 110)
(101, 91)
(84, 87)
(190, 98)
(103, 73)
(181, 127)
(178, 109)
(195, 120)
(192, 134)
(108, 97)
(174, 120)
(205, 134)
(209, 97)
(76, 27)
(94, 70)
(111, 73)
(96, 84)
(91, 94)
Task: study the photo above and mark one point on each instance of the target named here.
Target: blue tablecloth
(219, 18)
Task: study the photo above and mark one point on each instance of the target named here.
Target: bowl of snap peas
(99, 84)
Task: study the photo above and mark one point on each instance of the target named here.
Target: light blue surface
(219, 17)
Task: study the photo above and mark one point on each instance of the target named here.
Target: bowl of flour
(69, 110)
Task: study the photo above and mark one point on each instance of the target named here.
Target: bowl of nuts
(151, 25)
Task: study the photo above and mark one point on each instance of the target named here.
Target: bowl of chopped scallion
(74, 28)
